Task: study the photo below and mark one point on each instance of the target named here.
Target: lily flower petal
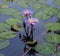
(32, 21)
(27, 13)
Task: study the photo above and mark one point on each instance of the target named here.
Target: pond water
(16, 47)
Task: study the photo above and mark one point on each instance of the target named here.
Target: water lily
(32, 21)
(27, 13)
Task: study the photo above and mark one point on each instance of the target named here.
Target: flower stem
(31, 32)
(24, 25)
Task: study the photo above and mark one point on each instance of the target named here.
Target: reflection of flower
(32, 21)
(27, 13)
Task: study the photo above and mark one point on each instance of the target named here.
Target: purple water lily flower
(27, 13)
(32, 21)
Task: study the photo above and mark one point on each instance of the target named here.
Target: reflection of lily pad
(7, 34)
(12, 21)
(3, 26)
(1, 54)
(45, 48)
(4, 44)
(53, 38)
(53, 26)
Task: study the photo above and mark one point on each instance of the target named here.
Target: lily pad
(43, 1)
(53, 26)
(57, 2)
(1, 39)
(37, 5)
(10, 11)
(46, 48)
(4, 44)
(1, 54)
(58, 15)
(46, 12)
(12, 21)
(7, 34)
(17, 27)
(23, 3)
(53, 38)
(4, 26)
(58, 53)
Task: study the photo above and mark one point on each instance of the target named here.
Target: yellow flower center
(31, 20)
(26, 12)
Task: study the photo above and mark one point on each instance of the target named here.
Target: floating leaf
(58, 53)
(4, 26)
(57, 2)
(12, 21)
(45, 48)
(9, 0)
(37, 5)
(10, 11)
(3, 6)
(1, 54)
(1, 39)
(23, 3)
(7, 34)
(4, 44)
(17, 27)
(43, 1)
(58, 15)
(53, 26)
(46, 13)
(53, 38)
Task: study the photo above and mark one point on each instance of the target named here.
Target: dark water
(16, 45)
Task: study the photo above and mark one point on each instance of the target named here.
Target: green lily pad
(23, 3)
(1, 39)
(1, 54)
(46, 12)
(58, 53)
(53, 38)
(58, 15)
(17, 27)
(45, 48)
(53, 26)
(43, 1)
(7, 34)
(37, 5)
(4, 44)
(10, 11)
(12, 21)
(4, 26)
(57, 2)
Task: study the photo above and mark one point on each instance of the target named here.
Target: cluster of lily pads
(10, 27)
